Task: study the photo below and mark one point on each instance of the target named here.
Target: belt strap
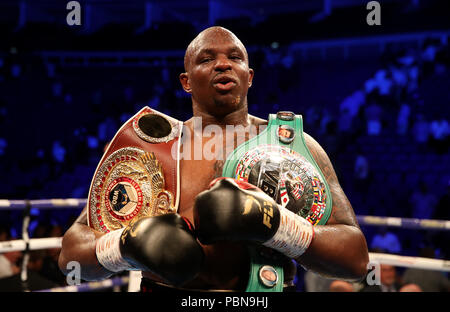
(258, 264)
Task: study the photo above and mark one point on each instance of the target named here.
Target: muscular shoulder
(82, 218)
(321, 158)
(257, 121)
(342, 211)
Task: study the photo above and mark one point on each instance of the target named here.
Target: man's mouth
(224, 83)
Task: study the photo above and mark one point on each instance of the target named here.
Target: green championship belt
(280, 164)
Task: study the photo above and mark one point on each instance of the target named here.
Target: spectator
(353, 103)
(439, 129)
(341, 286)
(429, 56)
(58, 152)
(50, 69)
(3, 146)
(331, 140)
(399, 77)
(373, 114)
(386, 241)
(410, 288)
(384, 82)
(49, 267)
(9, 261)
(429, 53)
(439, 139)
(327, 118)
(58, 157)
(41, 230)
(427, 280)
(96, 98)
(403, 119)
(125, 116)
(3, 111)
(128, 94)
(442, 212)
(361, 172)
(273, 101)
(413, 78)
(16, 70)
(420, 131)
(345, 122)
(407, 58)
(312, 117)
(4, 233)
(388, 280)
(68, 99)
(316, 283)
(92, 142)
(107, 129)
(57, 89)
(370, 86)
(287, 72)
(35, 281)
(154, 102)
(35, 261)
(423, 202)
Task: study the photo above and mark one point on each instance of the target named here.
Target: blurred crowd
(385, 278)
(55, 123)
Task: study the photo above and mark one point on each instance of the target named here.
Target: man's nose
(222, 63)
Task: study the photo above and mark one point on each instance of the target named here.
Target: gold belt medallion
(129, 185)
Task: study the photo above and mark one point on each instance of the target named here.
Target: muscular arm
(339, 248)
(79, 245)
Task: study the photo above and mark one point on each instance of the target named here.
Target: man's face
(284, 133)
(218, 76)
(387, 274)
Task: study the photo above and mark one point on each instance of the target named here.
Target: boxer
(202, 243)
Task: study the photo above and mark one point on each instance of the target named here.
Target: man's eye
(235, 57)
(205, 60)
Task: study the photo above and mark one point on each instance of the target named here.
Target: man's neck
(237, 117)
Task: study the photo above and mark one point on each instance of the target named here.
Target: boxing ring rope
(91, 286)
(26, 244)
(406, 223)
(33, 244)
(411, 262)
(79, 203)
(10, 204)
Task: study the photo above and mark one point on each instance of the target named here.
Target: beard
(223, 106)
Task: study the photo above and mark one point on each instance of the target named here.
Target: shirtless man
(218, 78)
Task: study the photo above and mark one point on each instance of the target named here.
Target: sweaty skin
(218, 77)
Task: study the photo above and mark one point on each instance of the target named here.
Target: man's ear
(250, 77)
(184, 79)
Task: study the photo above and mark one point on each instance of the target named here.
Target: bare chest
(195, 177)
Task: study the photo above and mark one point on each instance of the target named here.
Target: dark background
(374, 93)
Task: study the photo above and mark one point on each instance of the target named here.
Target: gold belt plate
(128, 185)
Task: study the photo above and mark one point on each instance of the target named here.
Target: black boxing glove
(164, 245)
(232, 210)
